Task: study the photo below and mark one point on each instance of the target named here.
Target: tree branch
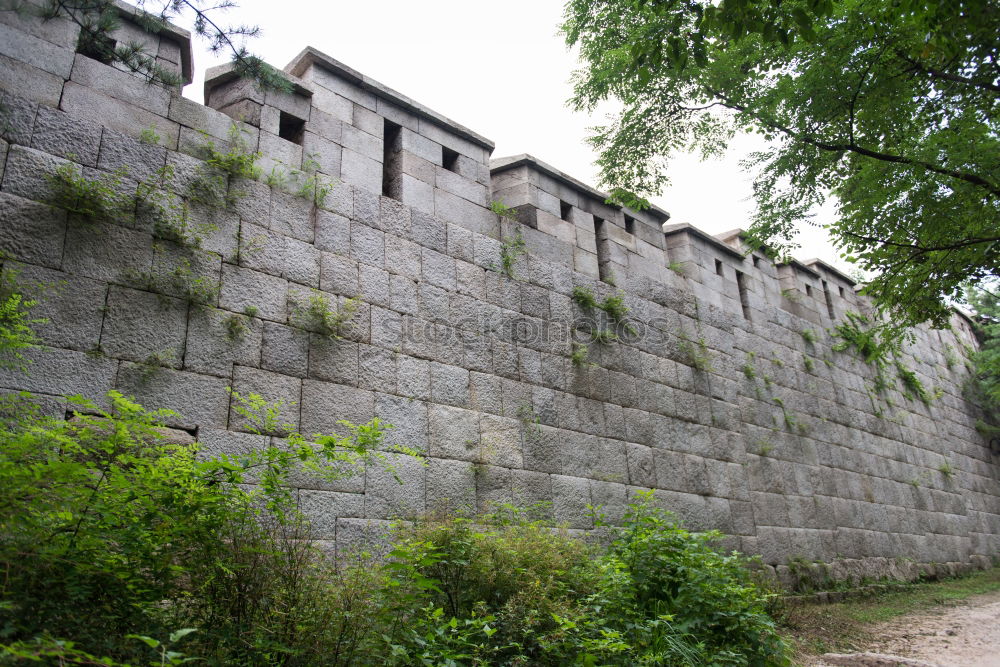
(947, 76)
(973, 179)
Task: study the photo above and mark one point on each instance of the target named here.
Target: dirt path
(966, 634)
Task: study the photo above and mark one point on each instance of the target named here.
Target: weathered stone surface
(144, 327)
(31, 232)
(197, 400)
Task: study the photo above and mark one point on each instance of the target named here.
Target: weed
(792, 295)
(764, 448)
(950, 358)
(809, 336)
(153, 363)
(239, 160)
(251, 311)
(580, 354)
(913, 387)
(512, 248)
(678, 268)
(809, 364)
(96, 352)
(603, 337)
(149, 136)
(318, 316)
(749, 371)
(503, 210)
(777, 362)
(170, 215)
(277, 178)
(696, 353)
(181, 282)
(248, 247)
(855, 333)
(584, 298)
(312, 187)
(93, 199)
(615, 308)
(946, 469)
(236, 328)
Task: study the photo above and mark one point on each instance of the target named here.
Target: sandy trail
(966, 634)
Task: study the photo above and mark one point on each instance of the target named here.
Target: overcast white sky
(500, 69)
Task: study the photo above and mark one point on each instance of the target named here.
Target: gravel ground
(963, 635)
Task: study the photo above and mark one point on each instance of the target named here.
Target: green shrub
(524, 594)
(16, 333)
(109, 531)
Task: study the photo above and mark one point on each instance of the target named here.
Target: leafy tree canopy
(890, 106)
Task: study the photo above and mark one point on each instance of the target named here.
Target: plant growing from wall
(236, 328)
(913, 387)
(512, 248)
(616, 310)
(150, 136)
(678, 268)
(313, 187)
(91, 199)
(317, 314)
(238, 161)
(695, 353)
(170, 214)
(857, 334)
(504, 211)
(809, 336)
(584, 298)
(579, 354)
(603, 336)
(182, 282)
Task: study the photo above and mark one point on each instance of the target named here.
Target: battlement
(567, 352)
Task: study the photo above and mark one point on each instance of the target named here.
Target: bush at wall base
(117, 547)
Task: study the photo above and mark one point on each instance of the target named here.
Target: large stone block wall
(718, 400)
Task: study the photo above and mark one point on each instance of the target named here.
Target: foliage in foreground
(985, 381)
(118, 547)
(888, 107)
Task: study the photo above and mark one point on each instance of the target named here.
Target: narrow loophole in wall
(809, 290)
(566, 211)
(741, 285)
(603, 249)
(841, 289)
(291, 128)
(392, 165)
(449, 159)
(829, 301)
(718, 268)
(756, 261)
(630, 224)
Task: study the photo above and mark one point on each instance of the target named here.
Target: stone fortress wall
(718, 401)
